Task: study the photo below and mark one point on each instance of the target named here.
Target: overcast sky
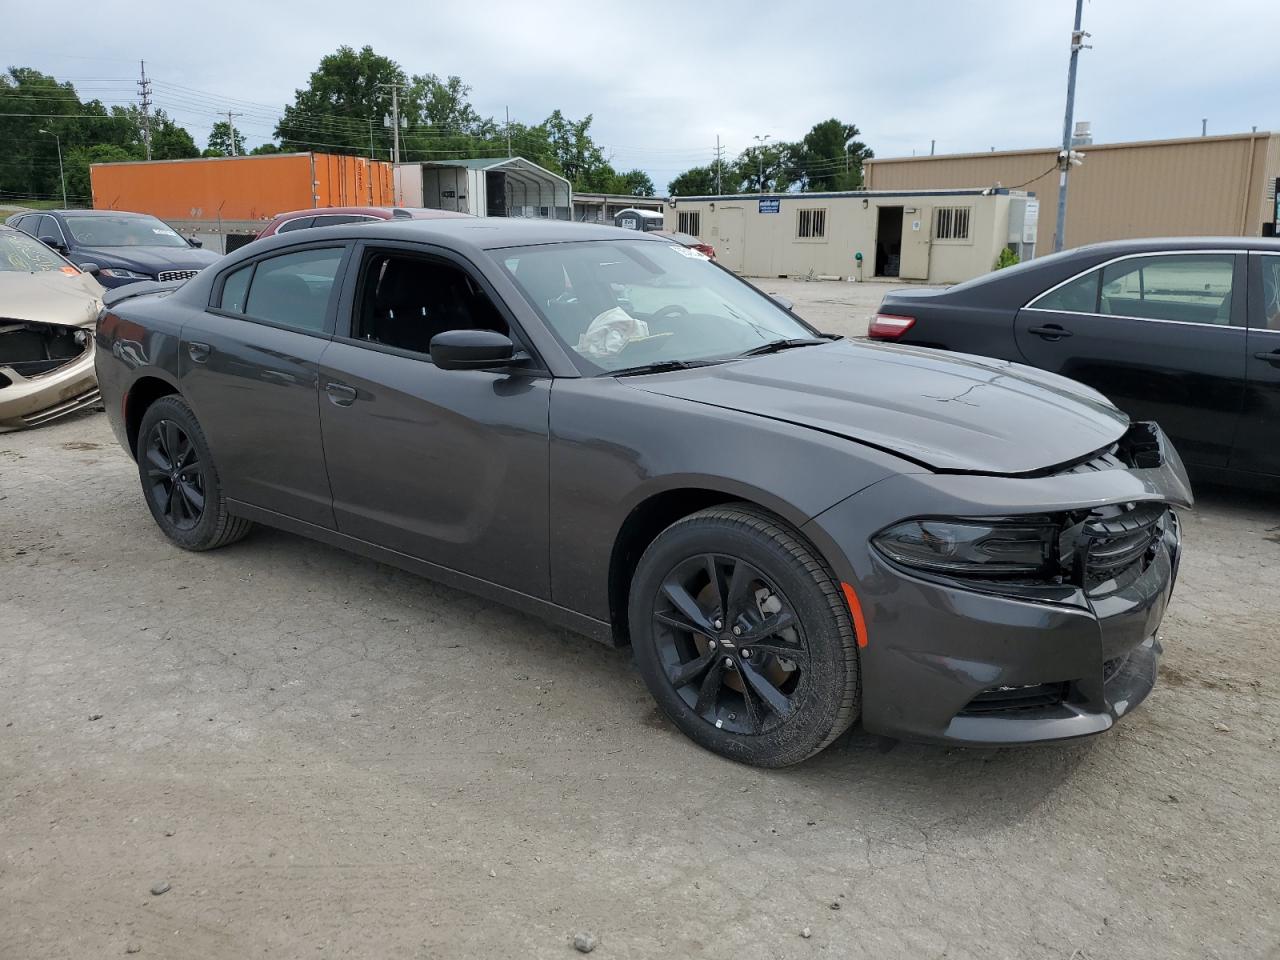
(664, 78)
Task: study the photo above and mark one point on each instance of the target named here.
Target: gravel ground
(324, 757)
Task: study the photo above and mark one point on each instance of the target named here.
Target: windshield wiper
(773, 346)
(658, 366)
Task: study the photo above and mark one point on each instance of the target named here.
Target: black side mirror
(471, 350)
(89, 268)
(195, 242)
(54, 243)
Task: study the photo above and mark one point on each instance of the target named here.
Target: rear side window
(300, 224)
(334, 219)
(1192, 288)
(292, 290)
(1077, 296)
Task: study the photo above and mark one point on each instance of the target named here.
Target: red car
(332, 216)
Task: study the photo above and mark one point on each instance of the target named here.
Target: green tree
(701, 182)
(170, 141)
(78, 160)
(770, 168)
(221, 143)
(830, 157)
(343, 107)
(265, 148)
(575, 153)
(635, 183)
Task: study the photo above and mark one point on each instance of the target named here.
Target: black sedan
(1185, 332)
(608, 430)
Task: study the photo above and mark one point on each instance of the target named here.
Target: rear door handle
(1050, 332)
(340, 394)
(199, 352)
(1272, 357)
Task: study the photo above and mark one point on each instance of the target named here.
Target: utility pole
(719, 163)
(508, 111)
(1064, 158)
(231, 129)
(61, 176)
(395, 119)
(760, 142)
(144, 88)
(1204, 126)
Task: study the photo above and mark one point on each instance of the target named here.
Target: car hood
(947, 411)
(146, 259)
(50, 296)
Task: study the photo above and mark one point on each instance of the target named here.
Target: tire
(810, 670)
(180, 481)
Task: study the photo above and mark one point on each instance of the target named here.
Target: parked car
(687, 240)
(47, 311)
(115, 246)
(1185, 332)
(791, 530)
(336, 216)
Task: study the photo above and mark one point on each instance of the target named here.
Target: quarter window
(691, 222)
(301, 223)
(1194, 288)
(291, 290)
(1271, 292)
(951, 223)
(1077, 296)
(810, 224)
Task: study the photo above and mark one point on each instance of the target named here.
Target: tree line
(346, 107)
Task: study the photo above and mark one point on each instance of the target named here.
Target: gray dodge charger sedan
(608, 430)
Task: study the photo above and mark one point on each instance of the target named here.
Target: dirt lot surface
(324, 757)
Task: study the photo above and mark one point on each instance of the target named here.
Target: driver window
(1271, 292)
(405, 301)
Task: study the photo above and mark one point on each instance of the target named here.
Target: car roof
(485, 233)
(1144, 244)
(407, 213)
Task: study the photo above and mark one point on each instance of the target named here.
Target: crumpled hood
(947, 411)
(145, 259)
(50, 296)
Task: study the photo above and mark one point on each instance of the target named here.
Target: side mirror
(54, 243)
(195, 242)
(781, 301)
(471, 350)
(89, 268)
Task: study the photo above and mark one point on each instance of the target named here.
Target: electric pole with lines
(144, 90)
(231, 130)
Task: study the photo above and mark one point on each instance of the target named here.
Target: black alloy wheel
(175, 473)
(743, 636)
(730, 642)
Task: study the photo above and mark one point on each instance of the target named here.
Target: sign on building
(770, 206)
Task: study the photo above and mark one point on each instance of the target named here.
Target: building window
(811, 224)
(691, 222)
(951, 223)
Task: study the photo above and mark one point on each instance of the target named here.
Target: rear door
(1257, 446)
(1161, 335)
(249, 370)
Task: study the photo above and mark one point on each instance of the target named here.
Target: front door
(248, 369)
(1162, 336)
(447, 466)
(916, 243)
(730, 244)
(1257, 446)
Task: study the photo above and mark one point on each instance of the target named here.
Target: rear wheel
(179, 480)
(743, 637)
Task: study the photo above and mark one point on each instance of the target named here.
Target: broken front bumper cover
(32, 399)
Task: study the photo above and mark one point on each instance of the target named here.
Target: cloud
(663, 79)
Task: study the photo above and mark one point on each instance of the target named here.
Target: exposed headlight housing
(124, 274)
(1016, 547)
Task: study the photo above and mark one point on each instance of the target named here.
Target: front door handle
(1050, 332)
(1272, 357)
(199, 352)
(340, 394)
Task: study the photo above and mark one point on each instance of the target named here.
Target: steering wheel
(672, 310)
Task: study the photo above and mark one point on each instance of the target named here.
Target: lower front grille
(167, 276)
(1035, 696)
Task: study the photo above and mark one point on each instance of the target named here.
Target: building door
(917, 230)
(730, 249)
(888, 241)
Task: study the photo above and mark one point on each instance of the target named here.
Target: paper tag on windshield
(689, 252)
(163, 231)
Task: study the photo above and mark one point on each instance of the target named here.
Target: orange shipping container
(240, 188)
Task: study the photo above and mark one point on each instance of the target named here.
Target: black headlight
(976, 548)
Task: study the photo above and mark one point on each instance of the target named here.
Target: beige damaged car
(48, 308)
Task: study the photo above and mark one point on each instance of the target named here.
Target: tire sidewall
(810, 727)
(203, 533)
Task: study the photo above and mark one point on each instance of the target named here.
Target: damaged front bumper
(46, 372)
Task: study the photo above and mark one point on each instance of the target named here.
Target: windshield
(625, 303)
(20, 253)
(123, 231)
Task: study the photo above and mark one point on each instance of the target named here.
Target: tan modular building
(942, 236)
(1200, 186)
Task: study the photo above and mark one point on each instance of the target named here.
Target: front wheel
(179, 480)
(743, 637)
